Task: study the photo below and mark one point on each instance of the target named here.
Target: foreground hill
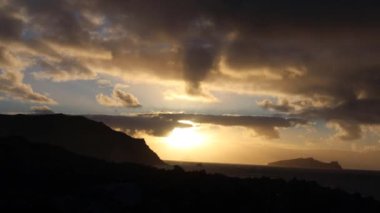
(308, 163)
(38, 177)
(79, 135)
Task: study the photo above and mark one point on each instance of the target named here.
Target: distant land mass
(310, 163)
(79, 135)
(39, 177)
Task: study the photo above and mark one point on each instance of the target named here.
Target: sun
(185, 138)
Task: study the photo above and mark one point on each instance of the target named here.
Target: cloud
(262, 125)
(346, 130)
(118, 98)
(201, 96)
(349, 117)
(12, 86)
(7, 59)
(41, 110)
(104, 83)
(281, 106)
(10, 26)
(11, 76)
(64, 70)
(200, 57)
(161, 124)
(319, 54)
(149, 124)
(363, 111)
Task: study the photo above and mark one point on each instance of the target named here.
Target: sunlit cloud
(204, 97)
(42, 109)
(13, 87)
(118, 98)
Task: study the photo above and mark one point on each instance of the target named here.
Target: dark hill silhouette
(79, 135)
(306, 163)
(38, 177)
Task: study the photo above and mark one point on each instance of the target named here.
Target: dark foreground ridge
(38, 177)
(308, 163)
(79, 135)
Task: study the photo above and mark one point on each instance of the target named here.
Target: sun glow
(185, 138)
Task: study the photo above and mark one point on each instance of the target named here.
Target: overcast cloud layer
(319, 58)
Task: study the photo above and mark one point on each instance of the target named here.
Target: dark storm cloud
(365, 111)
(10, 27)
(282, 106)
(322, 55)
(161, 124)
(198, 27)
(56, 20)
(349, 116)
(199, 59)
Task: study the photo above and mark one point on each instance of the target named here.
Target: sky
(232, 81)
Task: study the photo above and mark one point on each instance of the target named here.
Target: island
(309, 163)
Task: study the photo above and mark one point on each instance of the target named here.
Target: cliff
(79, 135)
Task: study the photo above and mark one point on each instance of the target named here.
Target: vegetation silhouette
(47, 178)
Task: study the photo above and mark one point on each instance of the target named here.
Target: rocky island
(308, 163)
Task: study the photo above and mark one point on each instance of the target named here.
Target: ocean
(366, 183)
